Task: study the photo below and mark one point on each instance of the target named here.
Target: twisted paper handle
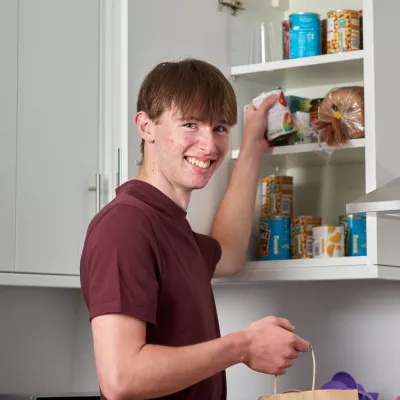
(314, 372)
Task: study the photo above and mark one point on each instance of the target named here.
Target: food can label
(274, 238)
(328, 241)
(280, 119)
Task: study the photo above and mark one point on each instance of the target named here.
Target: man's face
(187, 152)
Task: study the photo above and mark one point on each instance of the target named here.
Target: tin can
(304, 35)
(355, 234)
(328, 241)
(274, 238)
(285, 39)
(277, 195)
(280, 120)
(343, 31)
(324, 34)
(360, 12)
(302, 240)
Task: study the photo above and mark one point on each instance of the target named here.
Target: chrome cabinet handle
(97, 189)
(119, 173)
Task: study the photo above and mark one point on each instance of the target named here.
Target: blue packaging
(304, 35)
(275, 238)
(355, 234)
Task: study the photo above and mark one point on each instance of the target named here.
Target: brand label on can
(274, 238)
(328, 241)
(277, 195)
(280, 120)
(305, 35)
(355, 232)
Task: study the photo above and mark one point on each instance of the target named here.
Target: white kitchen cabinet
(8, 130)
(58, 132)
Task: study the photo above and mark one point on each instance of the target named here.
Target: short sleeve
(123, 266)
(211, 251)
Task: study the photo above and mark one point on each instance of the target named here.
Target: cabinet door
(58, 118)
(8, 130)
(197, 29)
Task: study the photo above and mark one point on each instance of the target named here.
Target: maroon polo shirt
(141, 258)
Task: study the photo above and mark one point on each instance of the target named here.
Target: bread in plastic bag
(341, 115)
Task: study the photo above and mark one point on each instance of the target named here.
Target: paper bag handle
(314, 372)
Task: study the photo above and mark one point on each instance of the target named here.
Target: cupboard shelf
(313, 155)
(307, 71)
(341, 268)
(39, 280)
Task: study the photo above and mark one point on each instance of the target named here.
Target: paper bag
(312, 394)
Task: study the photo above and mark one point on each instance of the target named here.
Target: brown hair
(196, 88)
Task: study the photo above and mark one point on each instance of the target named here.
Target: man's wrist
(240, 343)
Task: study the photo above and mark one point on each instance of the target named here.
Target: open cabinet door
(382, 201)
(167, 31)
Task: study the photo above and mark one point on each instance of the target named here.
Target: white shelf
(40, 280)
(307, 71)
(341, 268)
(313, 155)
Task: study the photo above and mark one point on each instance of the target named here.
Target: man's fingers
(301, 345)
(285, 324)
(268, 103)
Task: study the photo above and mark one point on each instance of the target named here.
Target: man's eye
(190, 125)
(220, 129)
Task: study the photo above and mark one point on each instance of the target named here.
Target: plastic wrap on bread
(341, 116)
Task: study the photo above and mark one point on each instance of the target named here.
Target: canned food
(285, 39)
(324, 34)
(355, 234)
(361, 29)
(274, 238)
(302, 240)
(314, 114)
(328, 241)
(304, 35)
(277, 195)
(343, 31)
(280, 120)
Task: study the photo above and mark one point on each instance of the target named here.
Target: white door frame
(113, 95)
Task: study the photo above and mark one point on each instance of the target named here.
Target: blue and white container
(355, 234)
(304, 35)
(275, 238)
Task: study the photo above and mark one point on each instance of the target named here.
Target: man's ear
(144, 126)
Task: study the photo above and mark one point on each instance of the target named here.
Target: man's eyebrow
(221, 121)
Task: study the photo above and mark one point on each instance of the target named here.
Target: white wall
(46, 342)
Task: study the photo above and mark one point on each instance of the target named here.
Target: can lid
(305, 13)
(353, 11)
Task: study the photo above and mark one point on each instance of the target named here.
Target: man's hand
(256, 122)
(273, 346)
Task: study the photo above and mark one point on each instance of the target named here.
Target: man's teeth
(201, 164)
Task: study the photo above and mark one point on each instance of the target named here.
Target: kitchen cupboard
(8, 130)
(326, 179)
(58, 133)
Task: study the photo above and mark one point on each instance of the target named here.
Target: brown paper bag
(312, 394)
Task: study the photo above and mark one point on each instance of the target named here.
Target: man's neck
(178, 196)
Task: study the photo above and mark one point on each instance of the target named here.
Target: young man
(146, 276)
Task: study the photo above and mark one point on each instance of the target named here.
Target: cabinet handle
(97, 189)
(119, 173)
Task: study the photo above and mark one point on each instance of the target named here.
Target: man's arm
(233, 221)
(128, 368)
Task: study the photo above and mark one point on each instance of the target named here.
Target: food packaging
(328, 241)
(341, 115)
(280, 120)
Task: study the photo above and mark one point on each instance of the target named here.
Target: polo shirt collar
(153, 197)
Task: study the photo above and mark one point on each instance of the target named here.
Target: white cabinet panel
(8, 130)
(58, 102)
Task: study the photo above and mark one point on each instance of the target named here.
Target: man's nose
(207, 142)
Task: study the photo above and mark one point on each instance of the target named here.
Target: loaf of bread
(341, 115)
